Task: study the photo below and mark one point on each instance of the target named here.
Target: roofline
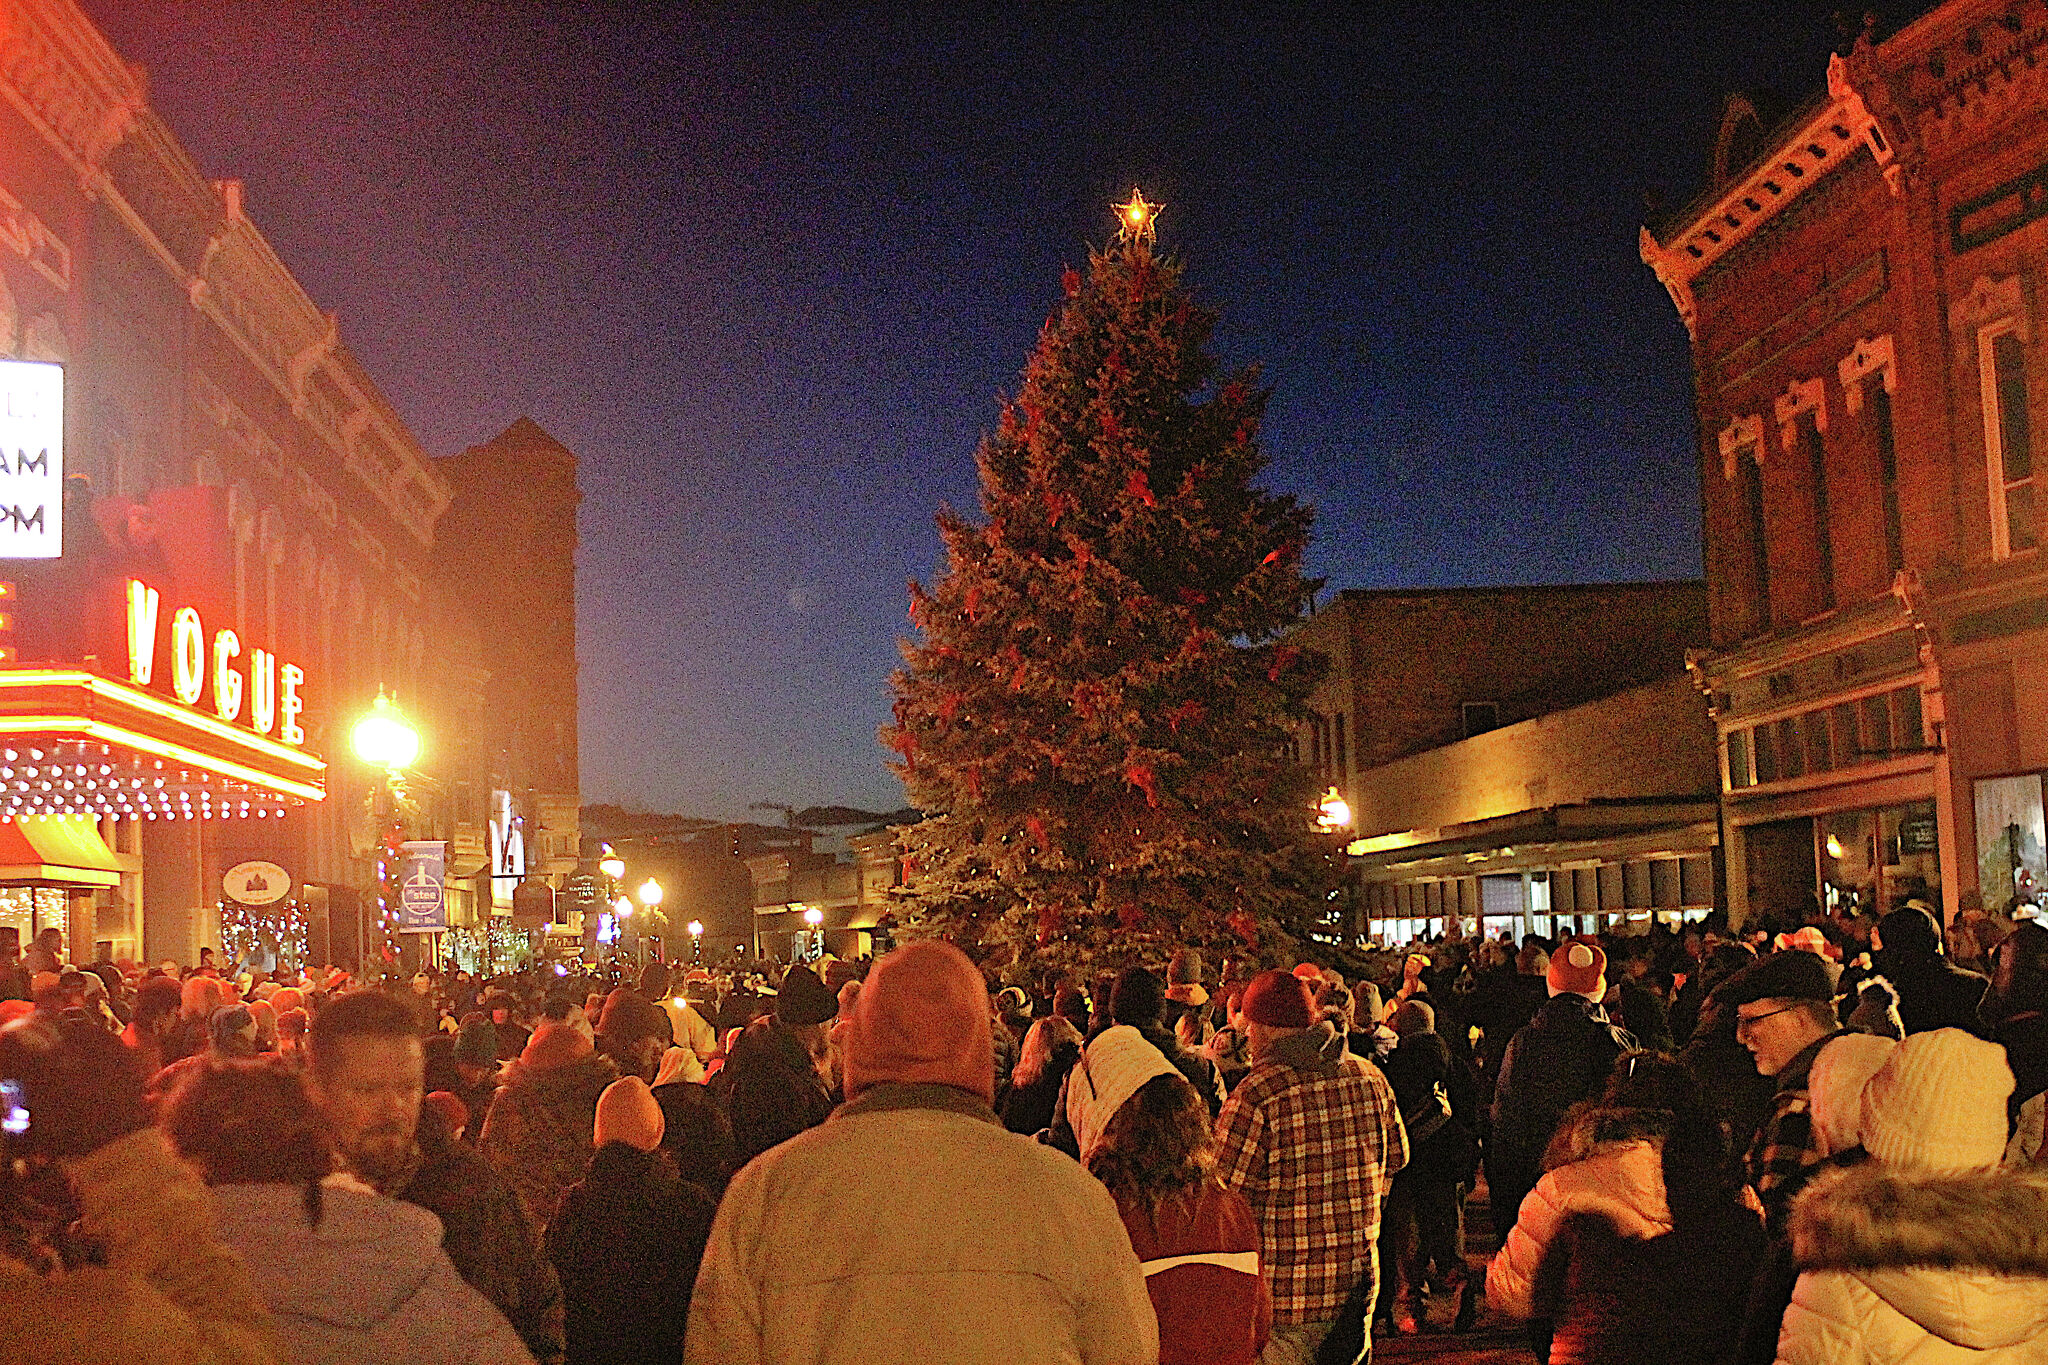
(1503, 590)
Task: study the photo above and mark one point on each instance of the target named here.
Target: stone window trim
(1743, 433)
(1800, 396)
(1873, 355)
(1994, 304)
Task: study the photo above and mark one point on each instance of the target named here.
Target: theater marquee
(31, 460)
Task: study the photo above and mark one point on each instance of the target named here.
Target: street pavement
(1492, 1340)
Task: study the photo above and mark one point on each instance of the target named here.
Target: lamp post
(696, 942)
(650, 900)
(384, 738)
(1333, 817)
(814, 916)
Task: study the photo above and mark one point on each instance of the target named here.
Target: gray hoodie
(369, 1285)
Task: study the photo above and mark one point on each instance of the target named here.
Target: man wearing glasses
(1784, 1014)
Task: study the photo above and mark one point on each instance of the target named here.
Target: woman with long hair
(1641, 1196)
(1051, 1047)
(1197, 1242)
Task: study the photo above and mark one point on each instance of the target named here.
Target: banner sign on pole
(423, 865)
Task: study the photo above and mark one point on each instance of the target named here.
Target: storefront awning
(56, 850)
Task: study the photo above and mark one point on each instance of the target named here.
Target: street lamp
(385, 739)
(1333, 812)
(650, 893)
(611, 864)
(696, 941)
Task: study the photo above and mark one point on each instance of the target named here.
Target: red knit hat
(1307, 971)
(554, 1045)
(1279, 999)
(450, 1107)
(1578, 967)
(922, 1018)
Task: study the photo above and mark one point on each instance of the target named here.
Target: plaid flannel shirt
(1312, 1149)
(1783, 1157)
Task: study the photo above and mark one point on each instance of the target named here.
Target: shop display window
(2012, 841)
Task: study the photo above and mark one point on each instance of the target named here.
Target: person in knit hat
(1561, 1056)
(628, 1238)
(1186, 1012)
(989, 1248)
(1784, 1014)
(1311, 1137)
(778, 1076)
(537, 1134)
(634, 1032)
(1933, 993)
(1928, 1251)
(1112, 1067)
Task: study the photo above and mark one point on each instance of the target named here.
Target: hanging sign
(423, 867)
(256, 883)
(31, 460)
(508, 852)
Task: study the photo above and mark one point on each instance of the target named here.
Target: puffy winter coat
(910, 1227)
(1919, 1269)
(1594, 1250)
(170, 1293)
(1200, 1255)
(368, 1284)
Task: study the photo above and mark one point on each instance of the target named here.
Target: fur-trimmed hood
(1964, 1255)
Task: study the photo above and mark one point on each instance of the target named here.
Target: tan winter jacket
(171, 1292)
(910, 1227)
(1904, 1268)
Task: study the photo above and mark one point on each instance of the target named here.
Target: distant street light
(611, 864)
(650, 893)
(696, 941)
(1333, 812)
(814, 917)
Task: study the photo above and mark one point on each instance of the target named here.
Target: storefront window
(1847, 859)
(2011, 833)
(1909, 843)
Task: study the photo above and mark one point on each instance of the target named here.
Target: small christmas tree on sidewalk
(1097, 714)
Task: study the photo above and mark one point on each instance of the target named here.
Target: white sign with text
(31, 459)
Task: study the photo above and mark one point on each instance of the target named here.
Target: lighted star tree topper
(1136, 219)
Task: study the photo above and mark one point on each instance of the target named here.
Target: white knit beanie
(1835, 1087)
(1938, 1103)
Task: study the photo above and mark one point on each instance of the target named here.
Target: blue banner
(422, 867)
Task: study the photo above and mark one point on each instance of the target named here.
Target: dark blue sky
(765, 269)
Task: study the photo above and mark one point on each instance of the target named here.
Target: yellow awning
(56, 850)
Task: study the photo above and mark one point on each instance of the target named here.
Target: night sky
(765, 270)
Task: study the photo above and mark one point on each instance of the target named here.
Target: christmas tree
(1096, 717)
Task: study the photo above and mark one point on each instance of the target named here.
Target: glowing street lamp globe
(385, 737)
(814, 917)
(611, 864)
(1333, 812)
(696, 928)
(623, 907)
(650, 893)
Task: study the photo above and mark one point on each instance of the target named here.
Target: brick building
(239, 561)
(1532, 759)
(1861, 285)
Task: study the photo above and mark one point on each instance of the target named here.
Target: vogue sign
(31, 460)
(259, 692)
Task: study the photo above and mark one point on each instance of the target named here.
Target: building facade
(1527, 759)
(243, 558)
(1861, 285)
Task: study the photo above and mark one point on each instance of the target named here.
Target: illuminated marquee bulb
(188, 656)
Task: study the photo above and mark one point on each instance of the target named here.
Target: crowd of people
(1819, 1145)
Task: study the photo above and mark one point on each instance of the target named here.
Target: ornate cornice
(59, 71)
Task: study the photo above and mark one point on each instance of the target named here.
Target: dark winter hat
(1137, 998)
(629, 1015)
(1909, 931)
(803, 999)
(1791, 975)
(1186, 968)
(1279, 999)
(477, 1044)
(1071, 1004)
